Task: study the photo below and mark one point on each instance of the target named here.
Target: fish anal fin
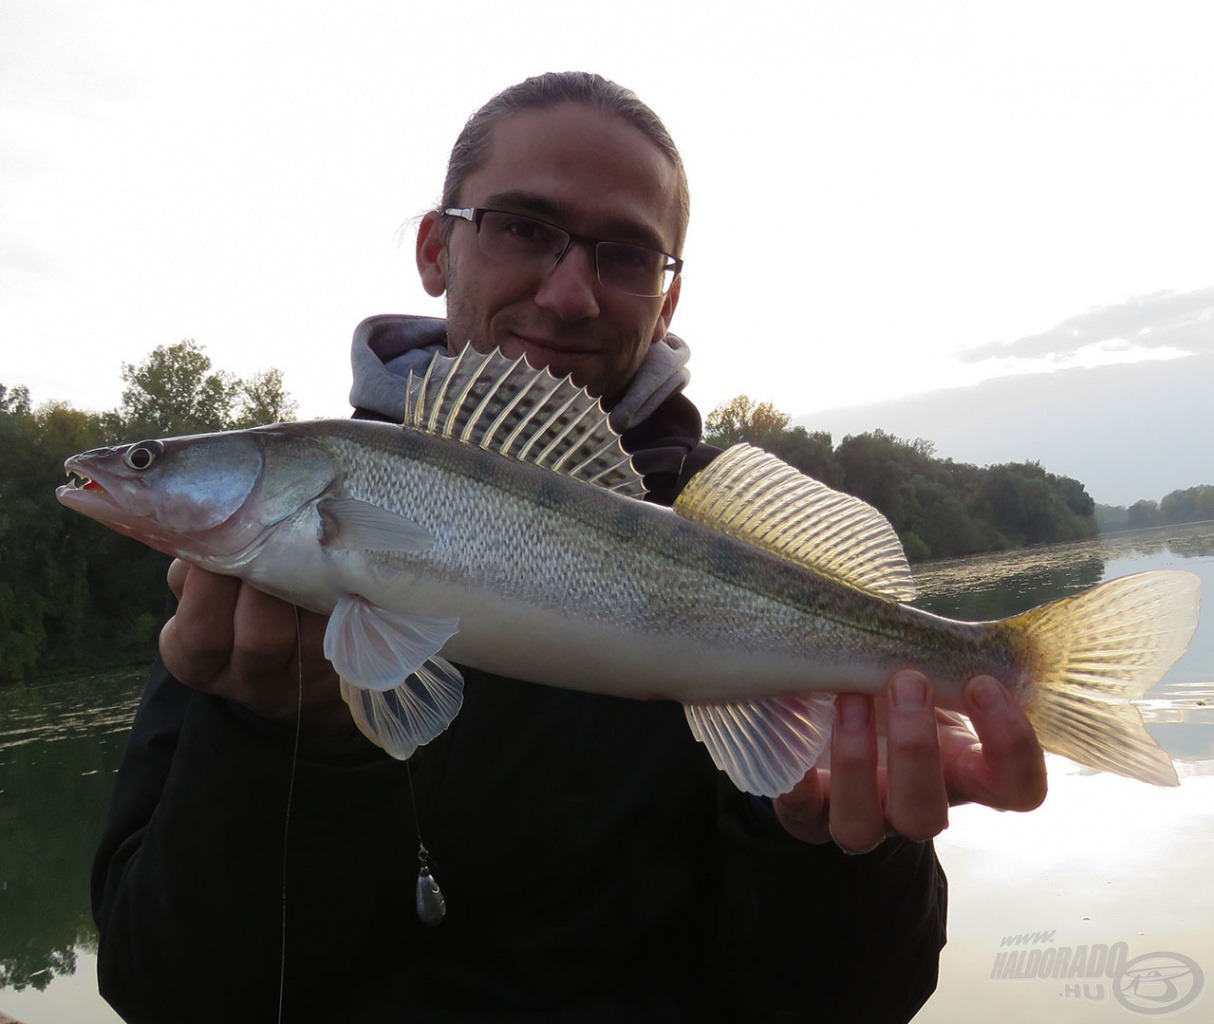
(411, 714)
(756, 497)
(765, 746)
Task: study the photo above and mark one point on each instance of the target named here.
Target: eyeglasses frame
(475, 214)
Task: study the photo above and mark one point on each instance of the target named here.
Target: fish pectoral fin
(765, 746)
(374, 648)
(359, 525)
(403, 718)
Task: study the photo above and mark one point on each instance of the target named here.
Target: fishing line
(286, 824)
(431, 907)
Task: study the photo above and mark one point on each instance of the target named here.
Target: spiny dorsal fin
(511, 408)
(754, 496)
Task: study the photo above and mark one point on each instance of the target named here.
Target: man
(595, 864)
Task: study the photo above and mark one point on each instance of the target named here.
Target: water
(60, 745)
(1106, 862)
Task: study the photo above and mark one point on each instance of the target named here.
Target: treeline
(1191, 505)
(939, 507)
(73, 592)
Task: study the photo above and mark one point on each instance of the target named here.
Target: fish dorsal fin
(509, 407)
(756, 497)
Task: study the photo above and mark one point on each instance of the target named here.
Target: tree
(175, 391)
(264, 399)
(813, 454)
(71, 591)
(1192, 505)
(740, 419)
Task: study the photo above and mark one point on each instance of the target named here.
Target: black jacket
(595, 864)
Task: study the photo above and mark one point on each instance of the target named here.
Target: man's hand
(928, 761)
(233, 641)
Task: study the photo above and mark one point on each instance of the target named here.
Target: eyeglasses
(536, 244)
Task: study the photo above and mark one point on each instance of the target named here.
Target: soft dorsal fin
(756, 497)
(511, 408)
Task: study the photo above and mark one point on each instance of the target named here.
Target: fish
(501, 525)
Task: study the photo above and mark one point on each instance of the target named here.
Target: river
(1099, 906)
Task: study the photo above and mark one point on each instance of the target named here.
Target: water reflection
(60, 743)
(1179, 709)
(1106, 859)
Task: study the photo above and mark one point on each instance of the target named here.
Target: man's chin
(584, 367)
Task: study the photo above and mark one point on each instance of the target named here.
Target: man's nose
(568, 289)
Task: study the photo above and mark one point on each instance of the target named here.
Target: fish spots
(629, 519)
(551, 492)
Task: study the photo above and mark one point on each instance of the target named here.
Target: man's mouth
(543, 351)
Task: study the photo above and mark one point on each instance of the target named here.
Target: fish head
(206, 496)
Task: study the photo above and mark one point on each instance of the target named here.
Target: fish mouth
(86, 493)
(83, 493)
(78, 481)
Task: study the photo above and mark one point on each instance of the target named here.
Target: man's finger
(857, 819)
(196, 643)
(917, 801)
(178, 571)
(1010, 768)
(803, 810)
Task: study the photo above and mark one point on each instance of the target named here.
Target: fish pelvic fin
(756, 497)
(513, 409)
(1090, 655)
(400, 693)
(765, 746)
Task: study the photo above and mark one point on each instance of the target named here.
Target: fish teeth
(80, 482)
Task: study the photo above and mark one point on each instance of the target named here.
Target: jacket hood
(388, 346)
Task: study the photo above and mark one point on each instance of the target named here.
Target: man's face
(592, 174)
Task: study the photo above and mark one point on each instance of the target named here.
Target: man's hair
(471, 149)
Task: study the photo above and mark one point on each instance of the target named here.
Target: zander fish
(499, 527)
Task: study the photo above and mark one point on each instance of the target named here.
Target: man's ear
(432, 254)
(672, 299)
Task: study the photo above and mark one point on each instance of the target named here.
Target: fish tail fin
(1090, 655)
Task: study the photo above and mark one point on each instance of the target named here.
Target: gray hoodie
(388, 346)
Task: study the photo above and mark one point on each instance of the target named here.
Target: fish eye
(142, 455)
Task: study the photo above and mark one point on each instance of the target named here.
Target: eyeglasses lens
(523, 242)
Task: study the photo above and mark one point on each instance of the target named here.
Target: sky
(887, 199)
(1129, 431)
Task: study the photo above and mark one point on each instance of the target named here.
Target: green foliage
(175, 391)
(766, 427)
(1191, 505)
(1111, 517)
(1142, 514)
(938, 507)
(73, 592)
(742, 420)
(264, 399)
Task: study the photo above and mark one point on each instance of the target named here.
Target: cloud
(1126, 432)
(22, 258)
(56, 58)
(1159, 325)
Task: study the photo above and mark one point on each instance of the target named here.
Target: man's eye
(630, 257)
(522, 229)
